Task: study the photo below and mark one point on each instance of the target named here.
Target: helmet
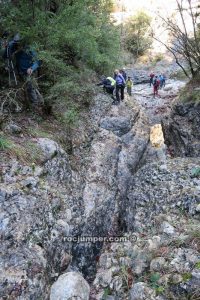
(17, 38)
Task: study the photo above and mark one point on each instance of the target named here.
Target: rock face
(13, 128)
(118, 126)
(139, 76)
(113, 158)
(114, 184)
(140, 291)
(146, 198)
(70, 286)
(181, 130)
(44, 207)
(152, 267)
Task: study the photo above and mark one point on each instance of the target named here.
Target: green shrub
(137, 38)
(158, 57)
(5, 143)
(160, 290)
(71, 116)
(186, 276)
(71, 39)
(197, 265)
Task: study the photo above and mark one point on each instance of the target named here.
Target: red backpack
(156, 82)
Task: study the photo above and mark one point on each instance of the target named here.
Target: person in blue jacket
(26, 65)
(120, 86)
(26, 58)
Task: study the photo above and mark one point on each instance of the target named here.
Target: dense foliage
(72, 37)
(138, 38)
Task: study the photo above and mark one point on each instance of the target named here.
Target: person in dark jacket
(156, 84)
(26, 58)
(151, 78)
(26, 65)
(108, 84)
(120, 86)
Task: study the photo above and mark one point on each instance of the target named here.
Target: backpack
(156, 82)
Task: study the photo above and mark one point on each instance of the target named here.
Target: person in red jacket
(156, 84)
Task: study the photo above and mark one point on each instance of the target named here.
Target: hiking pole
(11, 69)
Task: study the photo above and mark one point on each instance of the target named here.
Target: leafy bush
(186, 276)
(71, 116)
(5, 143)
(191, 92)
(137, 37)
(71, 38)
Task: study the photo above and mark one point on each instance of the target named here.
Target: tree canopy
(71, 37)
(64, 30)
(137, 37)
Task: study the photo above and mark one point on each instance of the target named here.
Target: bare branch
(182, 44)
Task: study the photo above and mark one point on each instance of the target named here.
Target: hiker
(151, 78)
(156, 84)
(164, 80)
(129, 84)
(27, 64)
(161, 81)
(108, 85)
(120, 85)
(123, 72)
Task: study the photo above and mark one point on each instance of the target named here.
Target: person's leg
(33, 93)
(109, 90)
(122, 92)
(154, 91)
(117, 93)
(112, 89)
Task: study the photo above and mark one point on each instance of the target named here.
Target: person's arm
(36, 64)
(122, 77)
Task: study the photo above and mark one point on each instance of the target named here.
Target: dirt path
(157, 107)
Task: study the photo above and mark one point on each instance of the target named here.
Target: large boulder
(118, 125)
(70, 285)
(55, 159)
(49, 148)
(140, 291)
